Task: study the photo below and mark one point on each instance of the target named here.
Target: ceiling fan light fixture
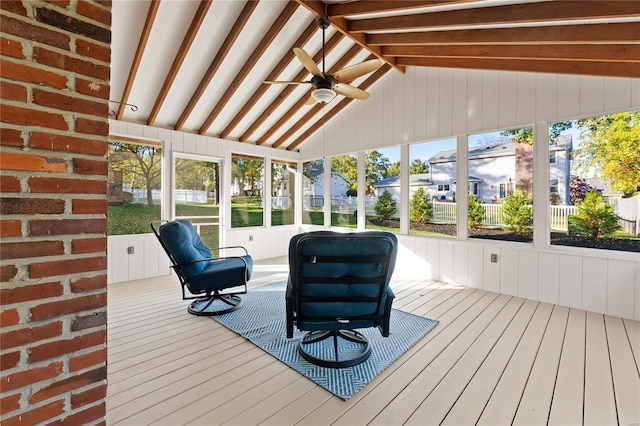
(323, 96)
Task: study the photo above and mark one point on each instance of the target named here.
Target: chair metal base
(215, 305)
(350, 335)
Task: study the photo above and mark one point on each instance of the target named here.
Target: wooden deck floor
(493, 359)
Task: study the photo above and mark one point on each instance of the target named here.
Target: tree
(578, 188)
(247, 173)
(386, 206)
(141, 165)
(594, 218)
(421, 207)
(394, 169)
(377, 168)
(347, 166)
(525, 134)
(611, 146)
(475, 213)
(418, 166)
(516, 212)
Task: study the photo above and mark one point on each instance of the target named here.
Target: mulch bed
(557, 238)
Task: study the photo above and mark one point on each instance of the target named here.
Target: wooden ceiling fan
(327, 86)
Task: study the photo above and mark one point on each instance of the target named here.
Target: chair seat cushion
(220, 273)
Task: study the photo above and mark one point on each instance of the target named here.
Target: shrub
(594, 218)
(386, 206)
(420, 207)
(516, 212)
(476, 212)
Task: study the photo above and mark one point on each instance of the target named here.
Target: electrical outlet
(250, 237)
(131, 250)
(494, 258)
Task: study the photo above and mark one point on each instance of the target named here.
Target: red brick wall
(54, 64)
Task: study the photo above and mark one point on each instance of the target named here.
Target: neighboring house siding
(339, 186)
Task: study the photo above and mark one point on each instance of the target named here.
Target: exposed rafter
(266, 41)
(217, 61)
(187, 41)
(142, 44)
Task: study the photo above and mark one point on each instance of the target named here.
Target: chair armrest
(219, 249)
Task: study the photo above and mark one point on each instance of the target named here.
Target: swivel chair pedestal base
(362, 352)
(215, 305)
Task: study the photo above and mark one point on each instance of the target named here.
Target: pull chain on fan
(327, 86)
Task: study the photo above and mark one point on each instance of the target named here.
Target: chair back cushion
(184, 244)
(340, 275)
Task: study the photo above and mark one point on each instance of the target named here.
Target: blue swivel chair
(215, 282)
(339, 283)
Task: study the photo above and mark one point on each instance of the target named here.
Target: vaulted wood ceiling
(199, 66)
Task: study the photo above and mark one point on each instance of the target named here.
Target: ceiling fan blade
(350, 92)
(358, 70)
(310, 101)
(306, 60)
(285, 82)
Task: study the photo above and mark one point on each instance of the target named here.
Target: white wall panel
(433, 257)
(546, 97)
(617, 94)
(591, 95)
(637, 293)
(528, 274)
(508, 264)
(420, 103)
(458, 104)
(474, 101)
(433, 103)
(491, 271)
(445, 117)
(568, 96)
(570, 281)
(475, 267)
(446, 261)
(490, 100)
(508, 96)
(594, 284)
(460, 263)
(621, 288)
(526, 101)
(549, 277)
(408, 110)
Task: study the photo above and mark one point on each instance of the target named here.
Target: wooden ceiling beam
(187, 41)
(231, 38)
(335, 110)
(144, 37)
(367, 6)
(341, 63)
(494, 15)
(273, 75)
(624, 32)
(599, 68)
(257, 53)
(563, 52)
(340, 24)
(287, 90)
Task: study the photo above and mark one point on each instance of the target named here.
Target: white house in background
(493, 171)
(313, 183)
(392, 184)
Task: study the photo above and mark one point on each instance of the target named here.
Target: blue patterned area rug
(262, 321)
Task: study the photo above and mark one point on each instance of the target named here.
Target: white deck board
(492, 359)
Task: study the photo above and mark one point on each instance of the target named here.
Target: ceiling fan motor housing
(318, 82)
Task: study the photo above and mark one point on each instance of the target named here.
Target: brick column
(54, 86)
